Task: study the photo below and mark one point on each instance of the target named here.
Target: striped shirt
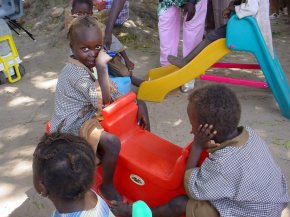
(124, 13)
(77, 98)
(100, 210)
(241, 179)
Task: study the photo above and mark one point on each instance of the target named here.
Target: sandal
(274, 16)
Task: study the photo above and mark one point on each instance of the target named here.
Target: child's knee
(110, 143)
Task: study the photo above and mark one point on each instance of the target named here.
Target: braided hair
(216, 105)
(83, 21)
(66, 165)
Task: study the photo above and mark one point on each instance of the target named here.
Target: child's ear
(43, 189)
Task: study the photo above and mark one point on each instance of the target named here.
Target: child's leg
(108, 149)
(169, 27)
(193, 29)
(212, 36)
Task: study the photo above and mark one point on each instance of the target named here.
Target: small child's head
(82, 8)
(63, 167)
(216, 105)
(86, 40)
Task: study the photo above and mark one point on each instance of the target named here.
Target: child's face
(81, 9)
(86, 43)
(192, 118)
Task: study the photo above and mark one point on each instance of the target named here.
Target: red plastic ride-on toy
(149, 168)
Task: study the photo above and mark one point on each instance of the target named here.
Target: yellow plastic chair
(10, 63)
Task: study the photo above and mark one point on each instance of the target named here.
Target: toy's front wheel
(2, 78)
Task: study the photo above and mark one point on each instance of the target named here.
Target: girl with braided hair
(80, 97)
(63, 171)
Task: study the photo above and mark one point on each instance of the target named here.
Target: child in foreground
(63, 171)
(259, 9)
(80, 98)
(239, 178)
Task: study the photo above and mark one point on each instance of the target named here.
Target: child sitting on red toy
(115, 66)
(257, 8)
(239, 178)
(63, 171)
(80, 97)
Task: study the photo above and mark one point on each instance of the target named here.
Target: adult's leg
(288, 10)
(218, 7)
(108, 150)
(169, 28)
(193, 29)
(274, 9)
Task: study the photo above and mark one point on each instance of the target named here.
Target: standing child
(80, 98)
(259, 9)
(239, 178)
(63, 171)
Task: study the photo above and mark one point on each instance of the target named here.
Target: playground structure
(165, 79)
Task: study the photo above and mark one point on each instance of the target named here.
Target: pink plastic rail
(221, 79)
(235, 66)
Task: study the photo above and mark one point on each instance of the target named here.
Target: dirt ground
(28, 104)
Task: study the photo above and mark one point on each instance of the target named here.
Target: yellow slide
(162, 80)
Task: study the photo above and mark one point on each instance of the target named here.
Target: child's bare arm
(202, 140)
(129, 64)
(103, 77)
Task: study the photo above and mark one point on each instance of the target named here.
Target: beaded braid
(64, 158)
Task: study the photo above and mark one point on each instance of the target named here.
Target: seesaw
(149, 168)
(165, 79)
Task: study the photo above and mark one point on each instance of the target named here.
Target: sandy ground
(28, 104)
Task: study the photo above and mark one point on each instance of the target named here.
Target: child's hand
(102, 59)
(189, 10)
(142, 117)
(204, 135)
(129, 64)
(226, 13)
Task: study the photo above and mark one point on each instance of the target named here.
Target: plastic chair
(149, 168)
(19, 12)
(7, 8)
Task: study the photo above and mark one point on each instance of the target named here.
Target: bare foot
(109, 192)
(177, 61)
(121, 209)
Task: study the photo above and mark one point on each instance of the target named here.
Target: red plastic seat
(149, 168)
